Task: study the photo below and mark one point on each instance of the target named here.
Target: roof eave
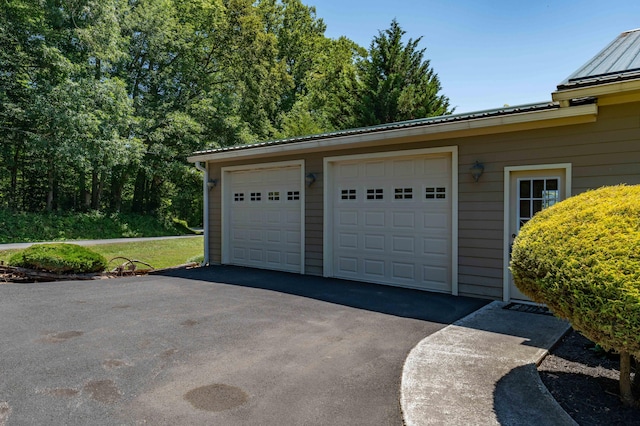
(477, 126)
(601, 90)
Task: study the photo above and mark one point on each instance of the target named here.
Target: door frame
(226, 204)
(506, 273)
(329, 163)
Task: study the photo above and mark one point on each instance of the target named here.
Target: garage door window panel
(375, 194)
(348, 194)
(435, 193)
(403, 193)
(293, 195)
(274, 196)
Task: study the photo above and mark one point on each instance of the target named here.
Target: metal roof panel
(519, 109)
(619, 60)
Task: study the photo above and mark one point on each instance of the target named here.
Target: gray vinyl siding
(606, 152)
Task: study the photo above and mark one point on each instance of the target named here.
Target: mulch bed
(585, 383)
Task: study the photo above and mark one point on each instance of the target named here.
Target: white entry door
(530, 192)
(263, 218)
(392, 221)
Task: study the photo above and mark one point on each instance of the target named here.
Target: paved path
(482, 371)
(214, 346)
(20, 246)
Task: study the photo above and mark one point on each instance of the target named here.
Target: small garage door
(263, 213)
(392, 221)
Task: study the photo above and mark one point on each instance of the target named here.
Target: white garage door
(392, 221)
(263, 218)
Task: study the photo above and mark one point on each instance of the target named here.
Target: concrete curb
(481, 370)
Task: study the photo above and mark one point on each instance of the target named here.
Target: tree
(101, 101)
(397, 82)
(298, 33)
(580, 257)
(328, 102)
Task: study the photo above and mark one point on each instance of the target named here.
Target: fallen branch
(129, 267)
(17, 274)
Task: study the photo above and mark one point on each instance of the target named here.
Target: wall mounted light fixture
(309, 179)
(476, 170)
(212, 183)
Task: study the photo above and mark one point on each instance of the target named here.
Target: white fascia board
(604, 89)
(482, 125)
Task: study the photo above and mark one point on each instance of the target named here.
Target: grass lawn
(159, 254)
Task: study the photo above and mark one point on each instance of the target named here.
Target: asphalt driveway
(215, 346)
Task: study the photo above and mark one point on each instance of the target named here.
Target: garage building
(434, 203)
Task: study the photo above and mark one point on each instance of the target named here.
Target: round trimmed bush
(59, 258)
(582, 258)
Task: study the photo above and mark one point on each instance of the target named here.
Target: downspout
(205, 209)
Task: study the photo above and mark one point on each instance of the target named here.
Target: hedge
(59, 258)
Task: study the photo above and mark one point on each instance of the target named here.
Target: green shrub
(183, 227)
(17, 227)
(60, 259)
(582, 258)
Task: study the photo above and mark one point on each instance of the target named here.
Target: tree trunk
(94, 190)
(626, 391)
(103, 177)
(139, 192)
(118, 179)
(97, 187)
(154, 200)
(85, 196)
(50, 191)
(14, 179)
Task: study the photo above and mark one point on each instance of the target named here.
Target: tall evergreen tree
(397, 82)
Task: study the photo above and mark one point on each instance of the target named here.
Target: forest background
(101, 101)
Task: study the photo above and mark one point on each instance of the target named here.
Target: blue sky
(490, 53)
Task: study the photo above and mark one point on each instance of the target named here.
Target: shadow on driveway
(400, 302)
(217, 345)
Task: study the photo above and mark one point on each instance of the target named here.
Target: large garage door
(263, 218)
(392, 221)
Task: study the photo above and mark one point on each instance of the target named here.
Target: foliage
(101, 101)
(33, 227)
(581, 258)
(183, 226)
(59, 258)
(157, 253)
(397, 82)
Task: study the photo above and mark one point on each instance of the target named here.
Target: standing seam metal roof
(620, 60)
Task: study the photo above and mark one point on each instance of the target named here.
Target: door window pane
(537, 206)
(525, 208)
(535, 195)
(525, 188)
(538, 188)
